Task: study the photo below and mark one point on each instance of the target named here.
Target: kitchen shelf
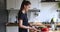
(31, 10)
(34, 10)
(50, 1)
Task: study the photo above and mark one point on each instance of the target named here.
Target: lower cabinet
(12, 29)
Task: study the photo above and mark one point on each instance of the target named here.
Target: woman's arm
(22, 26)
(25, 27)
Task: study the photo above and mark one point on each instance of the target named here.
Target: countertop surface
(38, 24)
(55, 31)
(11, 24)
(35, 23)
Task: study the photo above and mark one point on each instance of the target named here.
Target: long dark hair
(22, 5)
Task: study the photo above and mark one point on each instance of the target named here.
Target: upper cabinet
(11, 4)
(14, 4)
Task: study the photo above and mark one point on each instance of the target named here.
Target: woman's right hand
(31, 28)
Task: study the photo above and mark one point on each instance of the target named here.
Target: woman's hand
(33, 28)
(30, 28)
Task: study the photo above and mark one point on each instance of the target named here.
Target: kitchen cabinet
(11, 4)
(14, 4)
(12, 29)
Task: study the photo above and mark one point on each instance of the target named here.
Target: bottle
(52, 21)
(52, 24)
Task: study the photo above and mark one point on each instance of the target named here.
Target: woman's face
(27, 7)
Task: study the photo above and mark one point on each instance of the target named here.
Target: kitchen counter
(49, 31)
(15, 26)
(34, 24)
(55, 31)
(11, 24)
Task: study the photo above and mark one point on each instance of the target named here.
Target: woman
(22, 17)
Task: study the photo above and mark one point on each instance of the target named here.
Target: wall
(3, 15)
(48, 10)
(12, 15)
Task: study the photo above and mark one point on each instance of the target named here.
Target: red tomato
(45, 29)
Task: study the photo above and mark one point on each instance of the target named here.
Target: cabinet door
(11, 4)
(12, 29)
(18, 4)
(34, 4)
